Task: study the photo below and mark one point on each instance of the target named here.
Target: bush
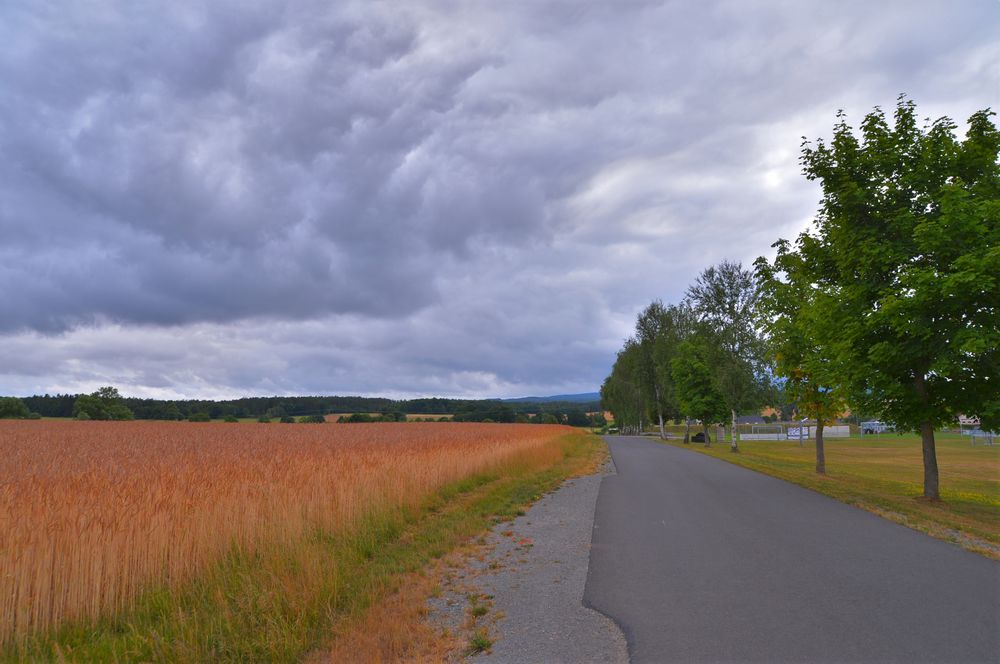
(264, 419)
(13, 408)
(199, 417)
(287, 419)
(312, 419)
(34, 416)
(231, 419)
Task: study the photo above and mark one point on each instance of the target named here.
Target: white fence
(832, 431)
(793, 433)
(980, 437)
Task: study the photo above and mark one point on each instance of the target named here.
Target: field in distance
(94, 514)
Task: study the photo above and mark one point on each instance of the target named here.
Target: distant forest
(61, 405)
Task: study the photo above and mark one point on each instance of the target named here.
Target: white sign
(965, 420)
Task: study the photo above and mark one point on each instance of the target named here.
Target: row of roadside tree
(889, 304)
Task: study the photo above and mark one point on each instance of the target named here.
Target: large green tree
(621, 393)
(696, 392)
(725, 299)
(906, 256)
(104, 404)
(799, 339)
(659, 330)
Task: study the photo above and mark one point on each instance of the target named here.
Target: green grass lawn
(885, 475)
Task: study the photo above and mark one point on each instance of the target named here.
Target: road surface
(699, 560)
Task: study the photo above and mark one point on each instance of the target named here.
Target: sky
(442, 198)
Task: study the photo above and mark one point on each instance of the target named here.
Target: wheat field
(94, 513)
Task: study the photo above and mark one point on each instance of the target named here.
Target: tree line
(108, 404)
(276, 407)
(889, 304)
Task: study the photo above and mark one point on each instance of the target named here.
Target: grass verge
(885, 475)
(280, 603)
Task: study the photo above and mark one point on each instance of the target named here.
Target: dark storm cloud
(438, 197)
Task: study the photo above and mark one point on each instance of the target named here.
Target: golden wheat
(93, 513)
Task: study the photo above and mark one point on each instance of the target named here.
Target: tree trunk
(659, 412)
(927, 440)
(930, 461)
(708, 436)
(820, 455)
(734, 446)
(687, 431)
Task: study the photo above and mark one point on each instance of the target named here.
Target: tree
(104, 404)
(621, 393)
(906, 255)
(695, 388)
(725, 299)
(799, 339)
(659, 331)
(13, 408)
(652, 377)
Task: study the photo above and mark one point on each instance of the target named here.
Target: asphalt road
(699, 560)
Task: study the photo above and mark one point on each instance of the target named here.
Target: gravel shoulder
(530, 575)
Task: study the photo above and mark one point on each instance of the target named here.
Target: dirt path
(528, 582)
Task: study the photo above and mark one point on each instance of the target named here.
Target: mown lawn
(885, 475)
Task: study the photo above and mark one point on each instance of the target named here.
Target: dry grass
(393, 630)
(401, 627)
(93, 513)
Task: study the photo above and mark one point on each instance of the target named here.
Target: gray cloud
(439, 197)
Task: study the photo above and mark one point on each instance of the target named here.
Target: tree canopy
(697, 395)
(13, 408)
(104, 404)
(905, 258)
(725, 299)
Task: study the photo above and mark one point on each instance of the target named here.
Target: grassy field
(885, 475)
(145, 541)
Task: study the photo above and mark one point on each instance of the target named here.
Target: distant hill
(586, 397)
